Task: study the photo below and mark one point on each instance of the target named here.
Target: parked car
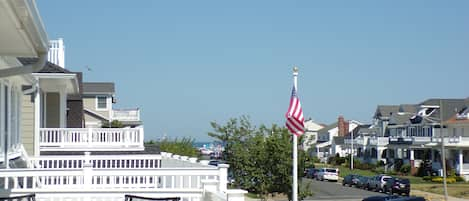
(311, 172)
(380, 198)
(377, 182)
(362, 181)
(412, 198)
(350, 180)
(329, 174)
(397, 185)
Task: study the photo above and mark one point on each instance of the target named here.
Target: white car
(329, 174)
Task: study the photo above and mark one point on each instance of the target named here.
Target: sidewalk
(435, 197)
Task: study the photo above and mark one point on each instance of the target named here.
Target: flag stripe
(294, 115)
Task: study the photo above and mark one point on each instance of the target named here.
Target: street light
(351, 160)
(443, 158)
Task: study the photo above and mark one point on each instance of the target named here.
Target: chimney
(341, 125)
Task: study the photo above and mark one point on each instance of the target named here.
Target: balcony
(379, 141)
(95, 178)
(91, 139)
(453, 140)
(126, 114)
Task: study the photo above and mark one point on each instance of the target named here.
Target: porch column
(461, 162)
(432, 155)
(37, 121)
(413, 169)
(63, 107)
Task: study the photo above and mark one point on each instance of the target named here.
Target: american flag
(294, 115)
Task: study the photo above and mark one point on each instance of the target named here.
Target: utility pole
(443, 157)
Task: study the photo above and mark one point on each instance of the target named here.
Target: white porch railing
(191, 183)
(90, 139)
(126, 114)
(96, 161)
(453, 140)
(379, 141)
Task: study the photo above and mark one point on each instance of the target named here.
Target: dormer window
(101, 102)
(425, 112)
(462, 114)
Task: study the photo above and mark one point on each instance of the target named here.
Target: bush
(379, 170)
(380, 163)
(459, 179)
(405, 169)
(439, 179)
(427, 178)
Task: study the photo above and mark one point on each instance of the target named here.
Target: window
(101, 102)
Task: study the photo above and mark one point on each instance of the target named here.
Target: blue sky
(187, 63)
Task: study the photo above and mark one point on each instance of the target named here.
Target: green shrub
(459, 179)
(439, 179)
(405, 169)
(427, 178)
(379, 170)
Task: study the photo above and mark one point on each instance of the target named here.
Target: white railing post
(223, 176)
(141, 136)
(87, 171)
(89, 137)
(126, 137)
(235, 194)
(209, 185)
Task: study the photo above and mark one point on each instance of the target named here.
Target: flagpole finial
(295, 69)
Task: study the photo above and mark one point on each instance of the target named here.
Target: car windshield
(404, 181)
(331, 170)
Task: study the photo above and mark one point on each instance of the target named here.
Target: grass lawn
(460, 190)
(345, 171)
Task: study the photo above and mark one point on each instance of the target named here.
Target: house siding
(75, 114)
(52, 110)
(90, 104)
(27, 124)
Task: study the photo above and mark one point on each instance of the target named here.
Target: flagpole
(295, 148)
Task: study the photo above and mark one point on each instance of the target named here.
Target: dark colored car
(350, 180)
(397, 185)
(380, 198)
(311, 173)
(361, 182)
(412, 198)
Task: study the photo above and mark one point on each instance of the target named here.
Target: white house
(21, 35)
(77, 177)
(311, 133)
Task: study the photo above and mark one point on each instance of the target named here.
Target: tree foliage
(183, 147)
(259, 158)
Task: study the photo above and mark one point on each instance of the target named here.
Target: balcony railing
(96, 161)
(126, 114)
(453, 140)
(379, 141)
(191, 181)
(90, 139)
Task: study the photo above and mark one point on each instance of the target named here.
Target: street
(324, 190)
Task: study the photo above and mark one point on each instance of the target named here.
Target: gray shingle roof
(338, 140)
(98, 88)
(449, 106)
(385, 111)
(327, 128)
(48, 68)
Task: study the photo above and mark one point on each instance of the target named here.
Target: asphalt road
(325, 190)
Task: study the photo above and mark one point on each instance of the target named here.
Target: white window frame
(97, 103)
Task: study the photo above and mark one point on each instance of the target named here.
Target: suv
(311, 172)
(329, 174)
(350, 180)
(377, 182)
(397, 185)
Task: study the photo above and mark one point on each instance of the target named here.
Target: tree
(260, 158)
(114, 124)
